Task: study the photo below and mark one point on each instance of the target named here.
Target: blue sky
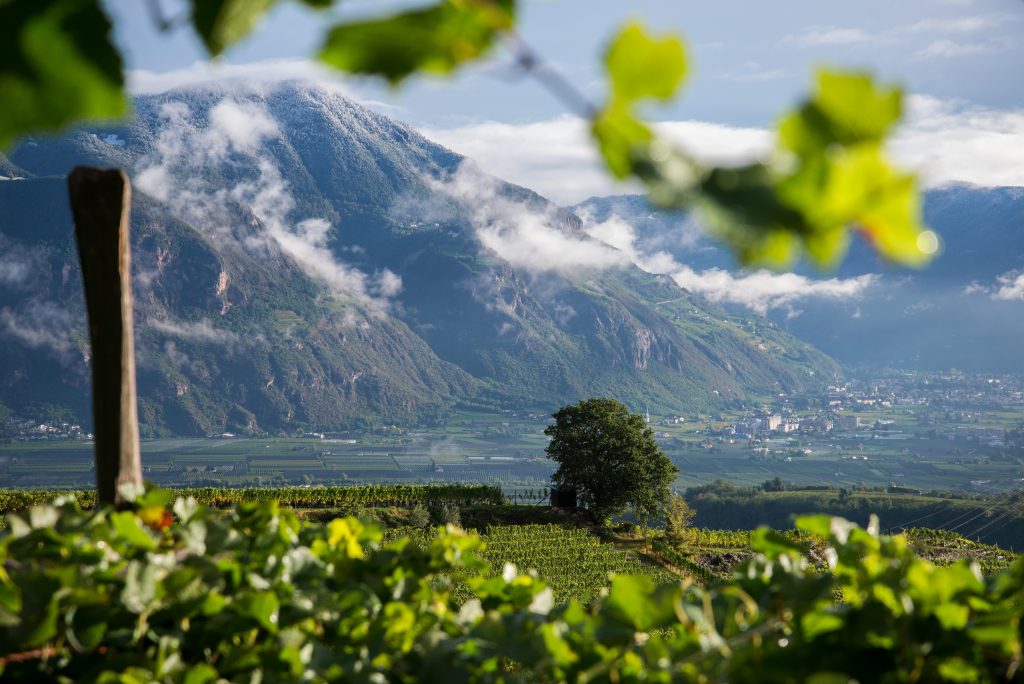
(750, 58)
(960, 60)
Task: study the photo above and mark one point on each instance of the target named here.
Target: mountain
(301, 262)
(963, 310)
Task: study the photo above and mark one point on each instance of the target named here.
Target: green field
(916, 448)
(573, 562)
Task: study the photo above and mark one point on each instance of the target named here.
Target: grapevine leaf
(57, 66)
(621, 138)
(434, 39)
(200, 674)
(130, 528)
(632, 602)
(222, 23)
(262, 607)
(88, 625)
(771, 543)
(642, 66)
(857, 107)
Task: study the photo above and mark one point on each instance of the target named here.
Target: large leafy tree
(610, 456)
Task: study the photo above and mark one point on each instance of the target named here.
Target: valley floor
(908, 446)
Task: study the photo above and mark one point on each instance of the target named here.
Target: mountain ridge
(304, 263)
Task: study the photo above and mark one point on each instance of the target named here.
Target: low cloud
(536, 239)
(764, 290)
(232, 138)
(759, 291)
(13, 270)
(144, 82)
(951, 141)
(17, 263)
(244, 125)
(533, 238)
(200, 331)
(40, 324)
(224, 74)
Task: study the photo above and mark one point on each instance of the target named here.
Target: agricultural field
(474, 448)
(713, 555)
(914, 447)
(573, 562)
(570, 555)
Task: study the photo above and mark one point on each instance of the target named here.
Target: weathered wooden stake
(100, 204)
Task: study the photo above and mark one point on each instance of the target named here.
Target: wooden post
(100, 203)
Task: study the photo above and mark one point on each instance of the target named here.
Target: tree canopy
(610, 456)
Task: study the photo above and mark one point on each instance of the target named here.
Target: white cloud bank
(759, 290)
(557, 158)
(949, 141)
(763, 290)
(527, 237)
(946, 141)
(143, 82)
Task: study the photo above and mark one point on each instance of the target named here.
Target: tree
(678, 518)
(610, 456)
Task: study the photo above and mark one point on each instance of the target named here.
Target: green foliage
(57, 65)
(641, 66)
(828, 175)
(221, 23)
(611, 457)
(419, 517)
(669, 553)
(573, 563)
(254, 594)
(678, 519)
(722, 505)
(434, 39)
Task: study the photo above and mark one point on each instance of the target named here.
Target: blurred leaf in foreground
(57, 66)
(435, 39)
(827, 176)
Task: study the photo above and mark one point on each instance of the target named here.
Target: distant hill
(302, 262)
(961, 311)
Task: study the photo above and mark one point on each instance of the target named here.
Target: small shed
(564, 497)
